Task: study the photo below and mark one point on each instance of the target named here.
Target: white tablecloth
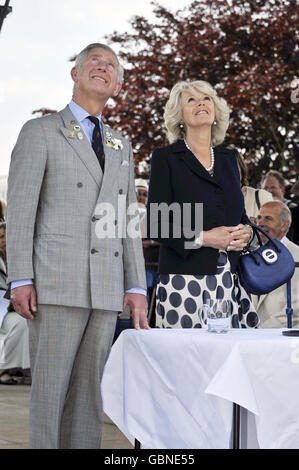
(174, 388)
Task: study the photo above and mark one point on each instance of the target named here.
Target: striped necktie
(97, 143)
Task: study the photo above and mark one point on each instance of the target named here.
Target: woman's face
(198, 109)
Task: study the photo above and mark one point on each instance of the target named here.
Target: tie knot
(94, 120)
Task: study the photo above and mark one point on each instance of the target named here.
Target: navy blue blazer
(178, 176)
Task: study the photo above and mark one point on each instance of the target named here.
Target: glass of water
(215, 315)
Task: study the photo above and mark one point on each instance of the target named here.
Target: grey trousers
(69, 347)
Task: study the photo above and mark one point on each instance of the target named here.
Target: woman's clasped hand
(227, 238)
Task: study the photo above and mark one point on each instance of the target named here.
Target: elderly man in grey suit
(68, 277)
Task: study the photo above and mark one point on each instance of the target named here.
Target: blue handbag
(267, 267)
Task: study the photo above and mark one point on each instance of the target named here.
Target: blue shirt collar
(80, 113)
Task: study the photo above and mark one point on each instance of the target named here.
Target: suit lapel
(112, 165)
(81, 146)
(191, 161)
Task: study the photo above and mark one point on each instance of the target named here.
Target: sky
(36, 41)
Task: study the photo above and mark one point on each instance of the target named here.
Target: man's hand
(23, 299)
(138, 304)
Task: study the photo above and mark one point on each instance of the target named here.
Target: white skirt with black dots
(180, 297)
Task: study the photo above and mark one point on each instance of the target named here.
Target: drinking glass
(215, 315)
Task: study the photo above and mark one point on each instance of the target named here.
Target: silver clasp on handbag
(269, 256)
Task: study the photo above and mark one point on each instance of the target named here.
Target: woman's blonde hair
(173, 111)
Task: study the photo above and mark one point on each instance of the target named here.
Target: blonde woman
(194, 169)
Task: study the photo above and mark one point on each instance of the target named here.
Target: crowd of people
(68, 286)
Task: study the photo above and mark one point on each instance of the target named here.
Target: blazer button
(94, 219)
(93, 251)
(120, 191)
(79, 184)
(116, 254)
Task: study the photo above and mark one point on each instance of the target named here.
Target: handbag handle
(258, 229)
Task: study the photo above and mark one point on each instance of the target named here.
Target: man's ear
(117, 89)
(74, 73)
(285, 226)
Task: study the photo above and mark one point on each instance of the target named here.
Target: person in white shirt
(275, 218)
(254, 198)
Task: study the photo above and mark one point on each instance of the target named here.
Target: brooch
(76, 129)
(113, 143)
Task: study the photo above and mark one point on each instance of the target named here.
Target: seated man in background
(275, 218)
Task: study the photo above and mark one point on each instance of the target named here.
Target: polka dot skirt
(180, 296)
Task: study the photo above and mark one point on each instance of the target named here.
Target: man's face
(2, 240)
(97, 75)
(269, 220)
(141, 195)
(271, 184)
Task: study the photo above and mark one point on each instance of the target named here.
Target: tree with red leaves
(246, 49)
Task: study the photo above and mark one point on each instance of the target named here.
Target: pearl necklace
(210, 168)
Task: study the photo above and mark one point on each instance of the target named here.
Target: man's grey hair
(84, 53)
(285, 213)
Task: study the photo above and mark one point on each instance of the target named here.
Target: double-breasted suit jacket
(178, 176)
(55, 190)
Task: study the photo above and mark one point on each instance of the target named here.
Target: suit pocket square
(125, 163)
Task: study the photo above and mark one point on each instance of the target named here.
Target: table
(175, 388)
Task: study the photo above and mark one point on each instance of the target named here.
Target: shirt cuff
(22, 282)
(136, 290)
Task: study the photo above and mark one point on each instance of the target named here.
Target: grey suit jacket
(55, 191)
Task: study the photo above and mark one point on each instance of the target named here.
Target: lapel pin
(80, 135)
(73, 122)
(77, 128)
(72, 135)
